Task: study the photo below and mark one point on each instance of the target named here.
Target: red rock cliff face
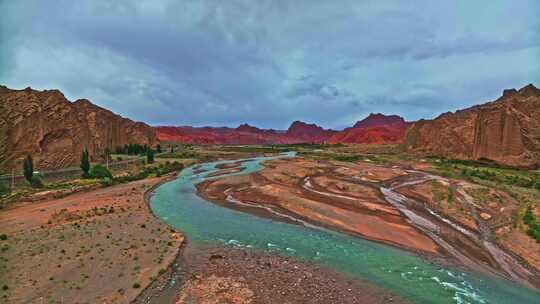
(54, 130)
(506, 131)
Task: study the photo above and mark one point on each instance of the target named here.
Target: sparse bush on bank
(4, 190)
(150, 156)
(533, 226)
(106, 181)
(99, 171)
(487, 171)
(157, 170)
(185, 154)
(37, 182)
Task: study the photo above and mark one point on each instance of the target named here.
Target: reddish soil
(102, 246)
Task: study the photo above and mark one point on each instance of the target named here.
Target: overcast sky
(270, 62)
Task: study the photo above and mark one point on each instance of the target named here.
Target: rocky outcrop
(54, 131)
(506, 131)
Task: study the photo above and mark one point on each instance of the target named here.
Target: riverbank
(240, 276)
(98, 246)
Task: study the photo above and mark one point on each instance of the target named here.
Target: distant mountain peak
(300, 127)
(379, 119)
(247, 128)
(529, 90)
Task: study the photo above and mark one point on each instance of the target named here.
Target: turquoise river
(401, 272)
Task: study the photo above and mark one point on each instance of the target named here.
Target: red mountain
(312, 133)
(376, 120)
(374, 129)
(298, 132)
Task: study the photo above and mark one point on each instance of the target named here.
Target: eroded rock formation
(506, 131)
(54, 131)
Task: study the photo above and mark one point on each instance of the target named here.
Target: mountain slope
(374, 129)
(506, 131)
(54, 131)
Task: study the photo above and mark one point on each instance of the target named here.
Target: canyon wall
(506, 131)
(54, 131)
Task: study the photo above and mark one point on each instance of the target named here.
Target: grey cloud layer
(270, 62)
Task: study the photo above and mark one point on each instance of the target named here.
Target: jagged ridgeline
(506, 131)
(55, 131)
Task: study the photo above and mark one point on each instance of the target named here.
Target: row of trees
(97, 171)
(136, 149)
(533, 229)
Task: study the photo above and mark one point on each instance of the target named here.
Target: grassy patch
(151, 171)
(485, 171)
(442, 192)
(532, 223)
(185, 155)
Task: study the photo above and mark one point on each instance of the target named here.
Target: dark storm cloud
(270, 62)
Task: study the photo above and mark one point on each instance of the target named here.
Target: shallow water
(401, 272)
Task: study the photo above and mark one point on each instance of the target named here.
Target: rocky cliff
(506, 131)
(54, 130)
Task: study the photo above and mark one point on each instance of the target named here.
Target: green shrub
(106, 181)
(152, 171)
(4, 189)
(150, 156)
(99, 171)
(3, 237)
(37, 182)
(136, 285)
(533, 225)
